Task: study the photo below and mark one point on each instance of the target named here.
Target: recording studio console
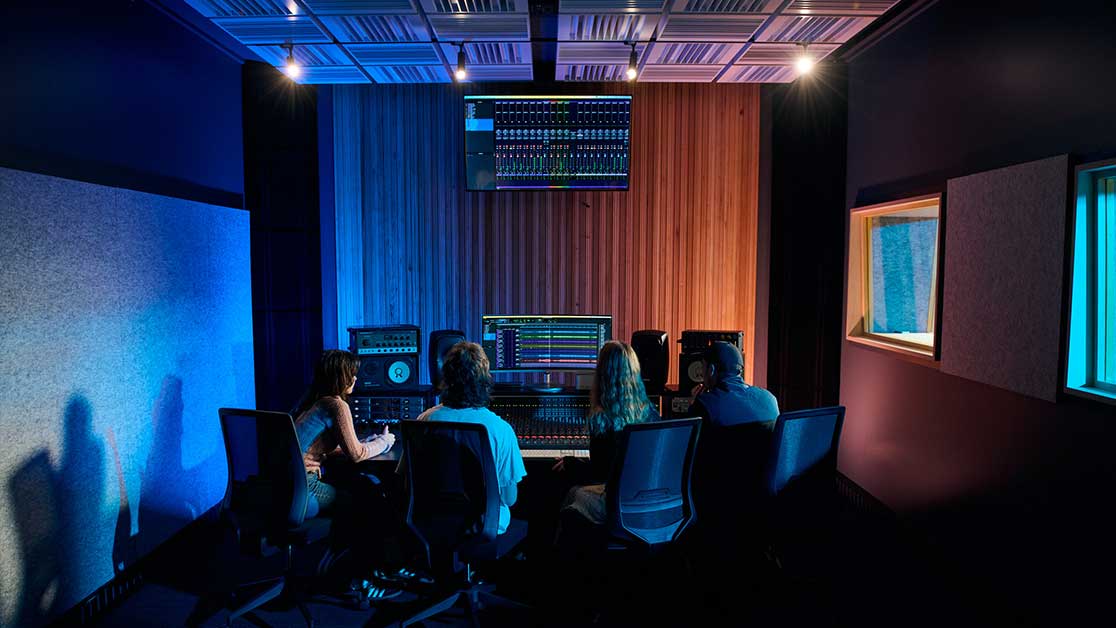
(548, 425)
(371, 413)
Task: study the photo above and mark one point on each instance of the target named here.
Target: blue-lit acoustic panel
(126, 323)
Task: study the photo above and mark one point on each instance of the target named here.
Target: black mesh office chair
(648, 501)
(453, 507)
(265, 503)
(801, 483)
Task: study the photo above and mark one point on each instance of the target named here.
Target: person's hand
(387, 437)
(559, 465)
(697, 390)
(312, 464)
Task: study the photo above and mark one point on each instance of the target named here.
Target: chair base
(474, 598)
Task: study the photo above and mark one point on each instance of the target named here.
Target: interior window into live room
(1106, 282)
(902, 268)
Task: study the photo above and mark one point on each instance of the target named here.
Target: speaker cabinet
(652, 347)
(441, 341)
(690, 371)
(380, 372)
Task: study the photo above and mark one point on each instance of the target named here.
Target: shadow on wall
(53, 512)
(168, 496)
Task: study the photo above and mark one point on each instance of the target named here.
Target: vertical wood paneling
(676, 251)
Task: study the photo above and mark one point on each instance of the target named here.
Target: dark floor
(864, 571)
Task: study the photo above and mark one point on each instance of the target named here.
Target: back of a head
(725, 358)
(334, 371)
(618, 397)
(466, 380)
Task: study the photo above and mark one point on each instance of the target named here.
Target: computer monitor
(544, 344)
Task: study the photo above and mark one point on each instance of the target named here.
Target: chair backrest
(267, 480)
(453, 495)
(648, 497)
(804, 445)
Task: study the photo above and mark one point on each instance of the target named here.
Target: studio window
(893, 275)
(1091, 366)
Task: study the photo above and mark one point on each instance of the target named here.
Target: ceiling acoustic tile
(596, 53)
(273, 30)
(607, 27)
(679, 73)
(782, 54)
(245, 8)
(709, 27)
(666, 53)
(839, 7)
(408, 73)
(479, 73)
(463, 27)
(759, 74)
(597, 73)
(495, 53)
(805, 29)
(475, 6)
(395, 54)
(330, 74)
(724, 6)
(360, 7)
(305, 55)
(610, 6)
(386, 28)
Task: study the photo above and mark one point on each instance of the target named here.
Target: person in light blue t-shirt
(466, 384)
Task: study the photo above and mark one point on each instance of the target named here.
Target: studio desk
(548, 426)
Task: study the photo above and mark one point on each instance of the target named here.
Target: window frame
(858, 291)
(1083, 351)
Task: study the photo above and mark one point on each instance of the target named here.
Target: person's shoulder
(331, 404)
(430, 412)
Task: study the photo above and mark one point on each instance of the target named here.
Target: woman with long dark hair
(325, 426)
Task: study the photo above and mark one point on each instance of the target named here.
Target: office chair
(648, 504)
(453, 508)
(800, 480)
(265, 503)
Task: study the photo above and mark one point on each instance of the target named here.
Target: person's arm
(345, 432)
(508, 494)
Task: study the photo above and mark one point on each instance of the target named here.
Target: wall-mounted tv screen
(547, 142)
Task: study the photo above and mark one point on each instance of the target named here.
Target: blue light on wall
(127, 323)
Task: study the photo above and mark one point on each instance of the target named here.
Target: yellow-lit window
(893, 275)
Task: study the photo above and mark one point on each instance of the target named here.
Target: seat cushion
(492, 550)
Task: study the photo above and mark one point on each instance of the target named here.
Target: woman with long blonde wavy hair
(618, 398)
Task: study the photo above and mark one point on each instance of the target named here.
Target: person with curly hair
(465, 388)
(617, 398)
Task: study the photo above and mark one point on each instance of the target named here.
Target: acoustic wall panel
(1004, 255)
(676, 251)
(125, 322)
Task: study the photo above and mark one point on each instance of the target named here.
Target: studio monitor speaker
(378, 372)
(441, 341)
(652, 346)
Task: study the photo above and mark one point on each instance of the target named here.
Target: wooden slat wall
(676, 251)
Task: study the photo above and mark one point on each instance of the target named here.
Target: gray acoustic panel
(1002, 298)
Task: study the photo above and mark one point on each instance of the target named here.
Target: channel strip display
(547, 142)
(545, 344)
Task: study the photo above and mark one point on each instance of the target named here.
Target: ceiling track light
(633, 64)
(292, 69)
(461, 74)
(805, 63)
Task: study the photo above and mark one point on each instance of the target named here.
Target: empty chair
(801, 482)
(648, 499)
(265, 503)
